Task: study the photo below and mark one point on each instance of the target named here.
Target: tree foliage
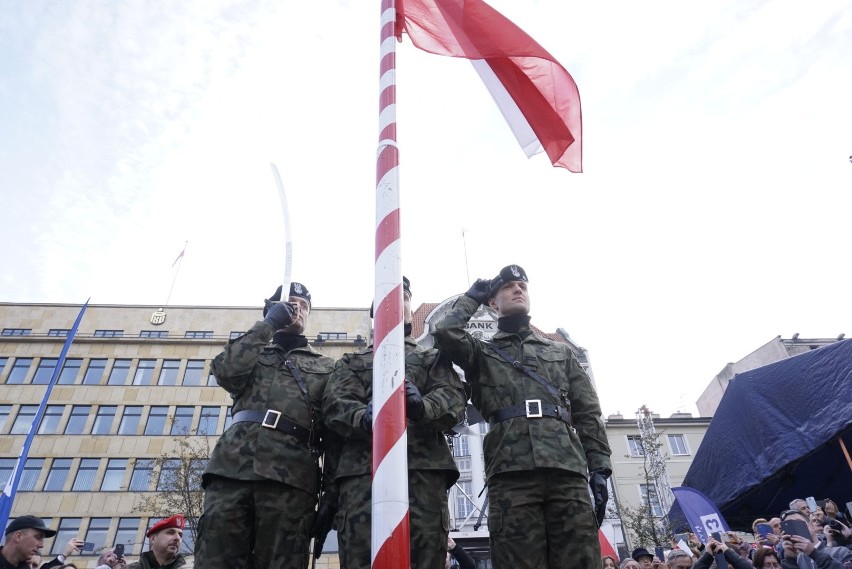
(178, 490)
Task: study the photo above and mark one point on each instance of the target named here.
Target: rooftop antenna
(177, 262)
(466, 268)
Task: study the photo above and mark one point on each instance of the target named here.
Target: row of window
(87, 475)
(104, 534)
(677, 445)
(122, 371)
(63, 332)
(74, 420)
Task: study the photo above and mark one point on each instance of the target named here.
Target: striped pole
(390, 533)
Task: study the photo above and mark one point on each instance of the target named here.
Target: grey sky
(713, 213)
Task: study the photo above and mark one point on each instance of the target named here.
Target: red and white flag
(536, 95)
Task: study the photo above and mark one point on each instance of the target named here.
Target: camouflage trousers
(254, 524)
(428, 520)
(542, 519)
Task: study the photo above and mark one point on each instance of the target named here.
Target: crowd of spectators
(799, 538)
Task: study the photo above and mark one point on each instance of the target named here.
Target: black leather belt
(273, 420)
(532, 409)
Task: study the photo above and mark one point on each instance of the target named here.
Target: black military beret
(507, 274)
(296, 289)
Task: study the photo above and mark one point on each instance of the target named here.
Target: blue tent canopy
(776, 436)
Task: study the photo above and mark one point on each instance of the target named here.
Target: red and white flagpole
(390, 533)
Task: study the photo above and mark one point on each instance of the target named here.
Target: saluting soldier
(262, 481)
(546, 444)
(435, 402)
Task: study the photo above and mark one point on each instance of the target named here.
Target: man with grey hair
(679, 559)
(802, 506)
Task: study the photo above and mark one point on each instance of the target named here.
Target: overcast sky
(713, 214)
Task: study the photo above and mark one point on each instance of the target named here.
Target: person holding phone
(24, 540)
(73, 546)
(800, 542)
(112, 559)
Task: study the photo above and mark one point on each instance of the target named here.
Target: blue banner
(702, 514)
(8, 495)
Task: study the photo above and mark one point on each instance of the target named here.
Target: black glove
(322, 525)
(597, 482)
(279, 314)
(480, 291)
(414, 407)
(367, 418)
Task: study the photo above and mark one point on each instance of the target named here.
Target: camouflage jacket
(351, 387)
(253, 371)
(520, 443)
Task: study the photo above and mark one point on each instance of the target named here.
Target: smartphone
(811, 503)
(681, 537)
(717, 535)
(87, 546)
(796, 527)
(658, 551)
(764, 529)
(119, 550)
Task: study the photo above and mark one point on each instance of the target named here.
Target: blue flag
(8, 495)
(702, 514)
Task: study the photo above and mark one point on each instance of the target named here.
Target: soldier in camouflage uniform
(544, 442)
(262, 480)
(435, 402)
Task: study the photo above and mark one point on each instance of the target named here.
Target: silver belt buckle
(533, 408)
(273, 423)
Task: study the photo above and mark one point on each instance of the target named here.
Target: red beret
(175, 521)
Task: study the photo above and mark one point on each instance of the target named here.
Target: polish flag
(536, 95)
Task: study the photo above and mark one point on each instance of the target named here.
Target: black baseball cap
(32, 522)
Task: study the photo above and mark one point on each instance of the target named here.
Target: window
(460, 447)
(58, 332)
(70, 371)
(86, 472)
(57, 475)
(634, 445)
(188, 539)
(154, 334)
(3, 362)
(168, 474)
(130, 420)
(677, 443)
(50, 420)
(194, 372)
(29, 476)
(5, 411)
(120, 371)
(140, 480)
(156, 424)
(235, 335)
(97, 532)
(649, 492)
(69, 528)
(208, 422)
(144, 372)
(103, 420)
(211, 380)
(126, 534)
(19, 371)
(463, 504)
(198, 334)
(7, 467)
(44, 371)
(169, 372)
(109, 333)
(331, 336)
(17, 331)
(95, 372)
(26, 414)
(114, 475)
(463, 463)
(77, 420)
(182, 422)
